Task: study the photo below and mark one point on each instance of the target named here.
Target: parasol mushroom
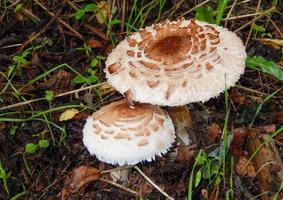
(117, 134)
(176, 63)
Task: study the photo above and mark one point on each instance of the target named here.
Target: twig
(60, 20)
(39, 33)
(58, 95)
(96, 31)
(119, 186)
(256, 18)
(243, 16)
(115, 169)
(251, 29)
(153, 184)
(229, 13)
(277, 29)
(199, 5)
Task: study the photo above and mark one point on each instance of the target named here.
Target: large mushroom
(175, 63)
(117, 134)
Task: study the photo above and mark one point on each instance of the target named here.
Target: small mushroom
(117, 134)
(176, 63)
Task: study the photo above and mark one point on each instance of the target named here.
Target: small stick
(199, 5)
(153, 184)
(39, 33)
(60, 20)
(58, 95)
(256, 18)
(115, 169)
(229, 13)
(251, 29)
(119, 186)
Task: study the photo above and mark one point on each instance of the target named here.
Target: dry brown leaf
(2, 125)
(103, 10)
(241, 168)
(181, 118)
(186, 153)
(106, 89)
(279, 117)
(92, 43)
(270, 128)
(79, 177)
(275, 43)
(59, 82)
(213, 132)
(68, 114)
(236, 147)
(238, 97)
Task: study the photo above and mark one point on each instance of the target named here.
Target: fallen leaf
(68, 114)
(182, 121)
(275, 43)
(59, 82)
(120, 175)
(92, 43)
(2, 126)
(242, 169)
(204, 194)
(103, 11)
(108, 49)
(213, 132)
(79, 177)
(106, 89)
(240, 135)
(238, 97)
(270, 128)
(279, 117)
(186, 153)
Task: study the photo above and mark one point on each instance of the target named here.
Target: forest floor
(52, 56)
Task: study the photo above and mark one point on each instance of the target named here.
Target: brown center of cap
(120, 110)
(170, 49)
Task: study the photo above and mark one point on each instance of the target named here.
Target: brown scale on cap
(153, 83)
(131, 53)
(132, 42)
(142, 143)
(115, 68)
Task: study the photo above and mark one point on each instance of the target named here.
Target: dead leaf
(108, 49)
(213, 132)
(106, 89)
(2, 126)
(59, 82)
(68, 114)
(238, 97)
(270, 128)
(275, 43)
(182, 121)
(241, 168)
(186, 153)
(92, 43)
(103, 11)
(279, 117)
(240, 135)
(79, 177)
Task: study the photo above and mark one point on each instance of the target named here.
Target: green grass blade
(220, 10)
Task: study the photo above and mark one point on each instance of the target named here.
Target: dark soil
(49, 167)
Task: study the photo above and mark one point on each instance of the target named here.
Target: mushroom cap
(176, 63)
(118, 134)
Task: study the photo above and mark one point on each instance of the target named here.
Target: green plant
(266, 66)
(4, 176)
(86, 49)
(31, 148)
(81, 12)
(206, 13)
(91, 77)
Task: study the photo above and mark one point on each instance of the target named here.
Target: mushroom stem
(129, 97)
